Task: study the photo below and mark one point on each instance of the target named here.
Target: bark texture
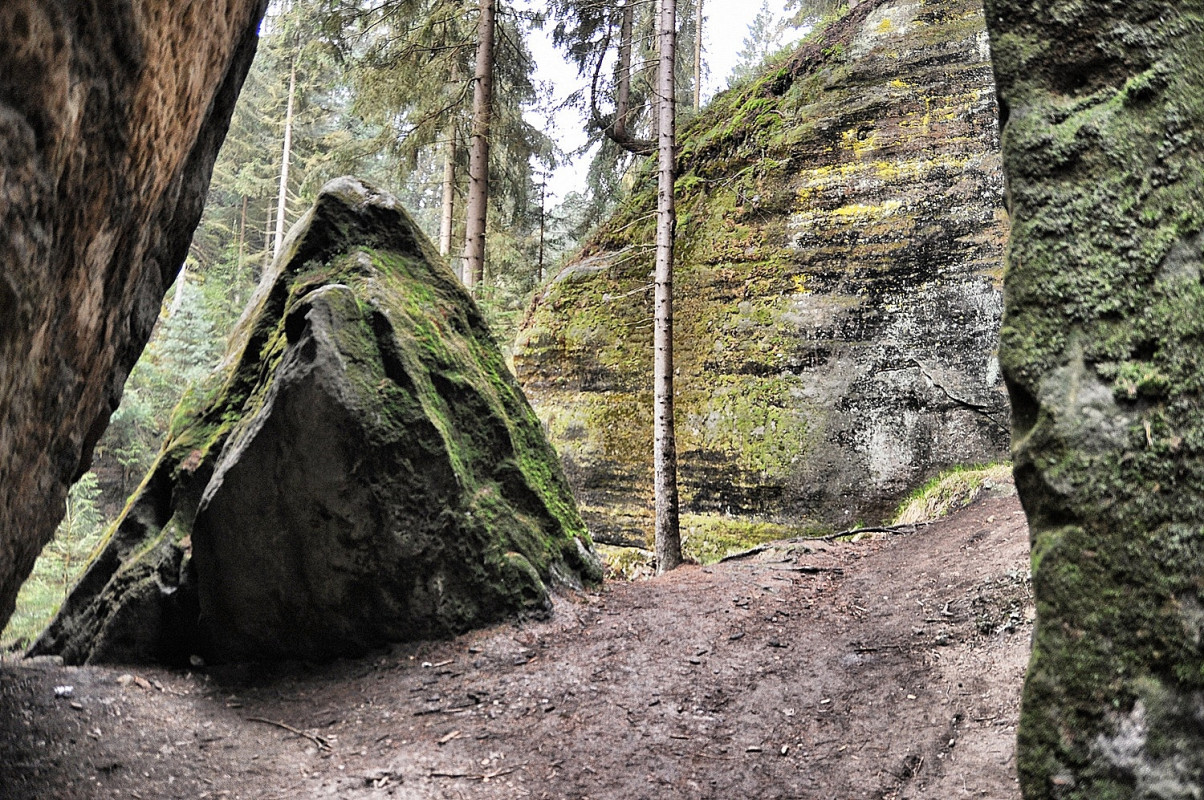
(285, 154)
(447, 217)
(111, 114)
(698, 55)
(478, 153)
(664, 443)
(1102, 346)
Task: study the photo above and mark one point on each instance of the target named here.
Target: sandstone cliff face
(363, 469)
(1102, 347)
(838, 290)
(111, 114)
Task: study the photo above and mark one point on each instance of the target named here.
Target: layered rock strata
(840, 238)
(111, 115)
(362, 469)
(1101, 348)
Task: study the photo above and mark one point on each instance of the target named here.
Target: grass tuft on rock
(953, 489)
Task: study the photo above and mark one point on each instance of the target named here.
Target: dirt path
(877, 669)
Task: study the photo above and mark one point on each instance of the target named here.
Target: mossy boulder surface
(840, 242)
(1102, 348)
(362, 469)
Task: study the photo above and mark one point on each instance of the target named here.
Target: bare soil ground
(885, 668)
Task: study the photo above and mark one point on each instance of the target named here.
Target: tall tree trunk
(698, 55)
(447, 220)
(242, 234)
(178, 299)
(267, 236)
(242, 245)
(478, 154)
(282, 199)
(623, 90)
(242, 254)
(664, 449)
(543, 210)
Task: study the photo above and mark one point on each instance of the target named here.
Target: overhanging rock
(111, 114)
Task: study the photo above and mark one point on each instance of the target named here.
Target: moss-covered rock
(1102, 349)
(362, 469)
(840, 239)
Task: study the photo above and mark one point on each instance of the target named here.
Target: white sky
(725, 26)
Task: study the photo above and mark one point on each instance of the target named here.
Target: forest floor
(885, 668)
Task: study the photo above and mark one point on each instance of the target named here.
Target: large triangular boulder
(362, 469)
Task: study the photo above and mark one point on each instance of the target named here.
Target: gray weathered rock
(1102, 347)
(111, 114)
(362, 469)
(841, 233)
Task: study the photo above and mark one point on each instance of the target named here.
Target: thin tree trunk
(698, 56)
(449, 192)
(242, 246)
(543, 210)
(282, 199)
(478, 154)
(267, 237)
(668, 537)
(623, 91)
(178, 299)
(242, 235)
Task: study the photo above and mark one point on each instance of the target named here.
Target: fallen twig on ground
(318, 740)
(895, 530)
(488, 776)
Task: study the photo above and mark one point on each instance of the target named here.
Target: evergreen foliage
(808, 13)
(57, 568)
(765, 37)
(184, 349)
(590, 34)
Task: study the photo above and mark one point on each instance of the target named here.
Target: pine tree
(59, 565)
(286, 155)
(698, 22)
(764, 37)
(614, 45)
(808, 13)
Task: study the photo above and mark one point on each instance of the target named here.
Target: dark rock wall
(111, 114)
(362, 469)
(841, 230)
(1102, 347)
